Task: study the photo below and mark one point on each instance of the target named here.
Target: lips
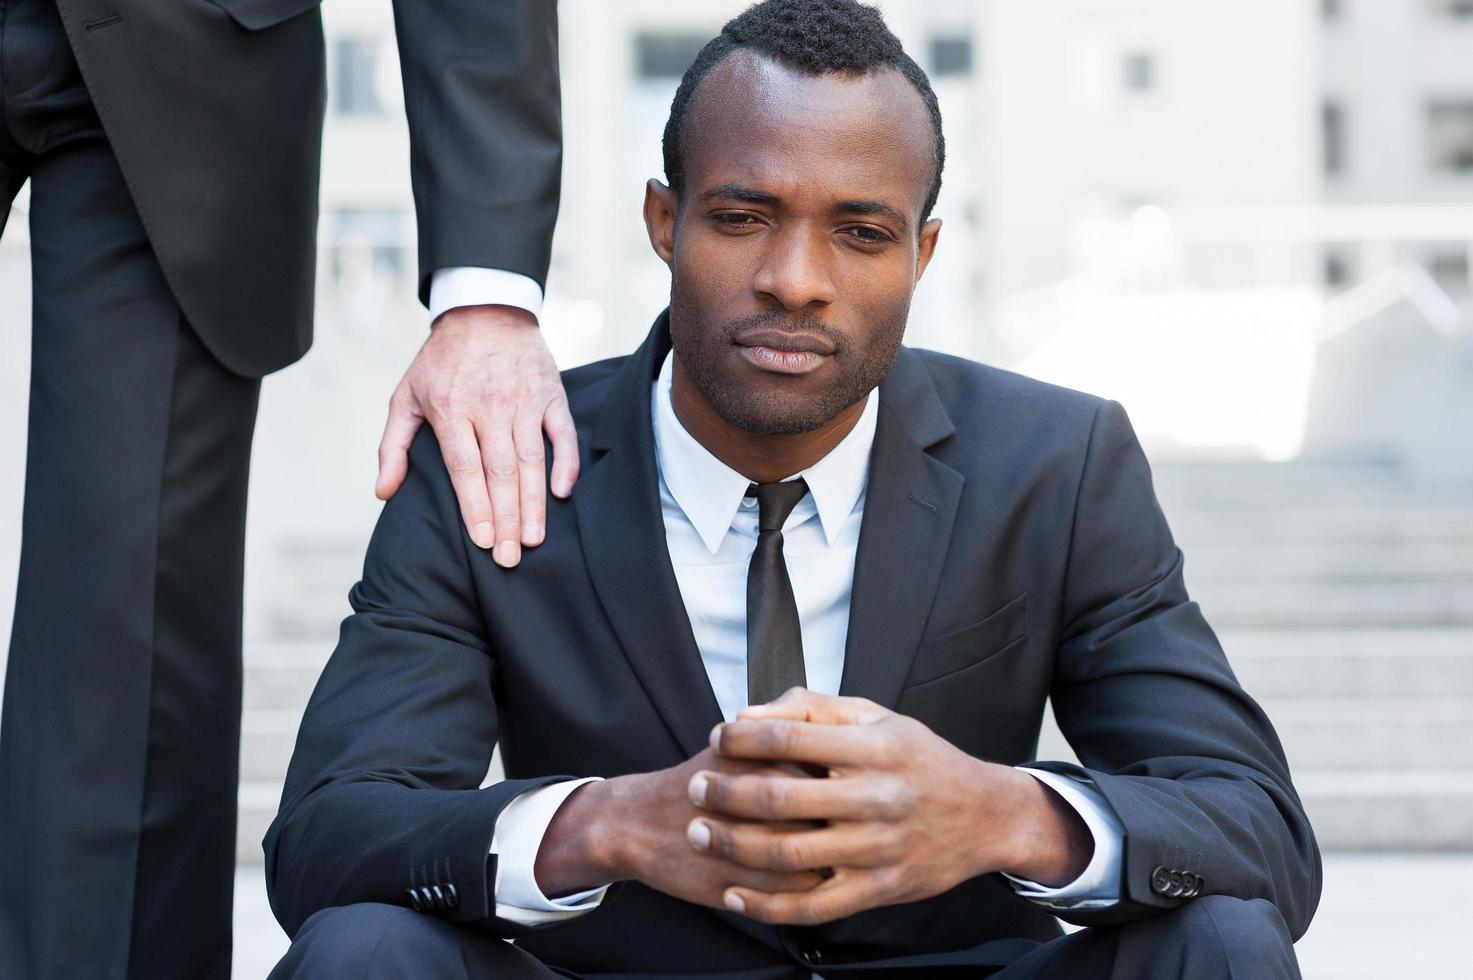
(784, 342)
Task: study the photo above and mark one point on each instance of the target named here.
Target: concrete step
(1278, 525)
(1375, 733)
(1329, 561)
(1366, 809)
(1335, 605)
(1354, 734)
(1352, 663)
(1416, 810)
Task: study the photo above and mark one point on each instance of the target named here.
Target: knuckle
(788, 736)
(529, 451)
(784, 855)
(501, 470)
(461, 463)
(443, 405)
(773, 796)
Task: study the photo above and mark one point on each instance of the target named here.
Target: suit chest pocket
(255, 15)
(967, 646)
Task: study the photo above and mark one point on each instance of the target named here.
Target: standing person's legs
(120, 731)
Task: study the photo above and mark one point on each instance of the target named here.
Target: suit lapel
(910, 507)
(623, 534)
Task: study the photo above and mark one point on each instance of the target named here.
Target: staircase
(1343, 597)
(1344, 600)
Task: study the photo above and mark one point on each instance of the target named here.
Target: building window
(355, 80)
(1337, 267)
(1450, 136)
(1332, 133)
(658, 56)
(1450, 268)
(951, 56)
(1454, 9)
(1138, 72)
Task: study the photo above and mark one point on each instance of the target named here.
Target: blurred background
(1250, 223)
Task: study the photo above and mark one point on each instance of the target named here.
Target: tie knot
(775, 501)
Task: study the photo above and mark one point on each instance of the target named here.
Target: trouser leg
(120, 730)
(1209, 938)
(386, 942)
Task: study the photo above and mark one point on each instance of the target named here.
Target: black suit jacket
(214, 109)
(1011, 550)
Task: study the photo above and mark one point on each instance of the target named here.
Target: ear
(660, 205)
(926, 245)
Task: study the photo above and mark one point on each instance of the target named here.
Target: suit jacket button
(414, 900)
(1161, 881)
(1177, 885)
(439, 895)
(452, 897)
(811, 955)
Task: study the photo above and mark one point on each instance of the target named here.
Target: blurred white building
(1144, 198)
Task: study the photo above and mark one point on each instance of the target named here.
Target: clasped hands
(812, 808)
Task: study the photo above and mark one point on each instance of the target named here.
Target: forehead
(757, 122)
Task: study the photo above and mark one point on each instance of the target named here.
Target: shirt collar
(710, 492)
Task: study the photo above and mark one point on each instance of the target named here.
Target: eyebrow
(752, 195)
(737, 192)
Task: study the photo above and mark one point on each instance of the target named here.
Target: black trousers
(121, 722)
(1209, 938)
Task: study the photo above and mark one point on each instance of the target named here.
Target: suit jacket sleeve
(382, 793)
(1143, 692)
(485, 128)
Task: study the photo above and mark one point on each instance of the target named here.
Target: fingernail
(532, 534)
(484, 535)
(506, 554)
(697, 789)
(734, 902)
(716, 739)
(699, 835)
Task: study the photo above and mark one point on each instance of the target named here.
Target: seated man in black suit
(778, 497)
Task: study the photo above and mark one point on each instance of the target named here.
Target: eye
(734, 219)
(869, 234)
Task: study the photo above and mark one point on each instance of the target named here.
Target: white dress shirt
(470, 286)
(711, 531)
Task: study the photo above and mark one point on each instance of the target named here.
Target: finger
(393, 449)
(770, 881)
(758, 846)
(801, 704)
(499, 454)
(558, 423)
(782, 740)
(782, 798)
(850, 890)
(463, 460)
(531, 477)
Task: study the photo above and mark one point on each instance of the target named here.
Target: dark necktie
(774, 642)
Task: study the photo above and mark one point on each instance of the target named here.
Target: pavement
(1381, 915)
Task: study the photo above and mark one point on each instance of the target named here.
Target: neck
(760, 457)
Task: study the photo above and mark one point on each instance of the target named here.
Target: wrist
(486, 314)
(1049, 842)
(580, 849)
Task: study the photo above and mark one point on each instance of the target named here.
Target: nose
(795, 270)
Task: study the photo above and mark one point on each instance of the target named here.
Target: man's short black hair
(815, 37)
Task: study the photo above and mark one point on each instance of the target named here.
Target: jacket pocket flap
(254, 15)
(971, 644)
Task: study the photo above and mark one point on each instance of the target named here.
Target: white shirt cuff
(1098, 885)
(464, 285)
(515, 842)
